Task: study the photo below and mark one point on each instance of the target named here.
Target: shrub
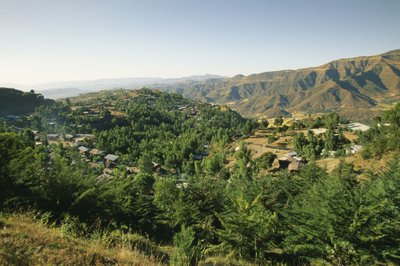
(184, 252)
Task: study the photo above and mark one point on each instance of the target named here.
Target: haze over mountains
(364, 83)
(62, 89)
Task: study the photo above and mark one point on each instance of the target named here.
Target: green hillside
(148, 177)
(15, 102)
(361, 83)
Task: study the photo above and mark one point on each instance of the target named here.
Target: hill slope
(361, 82)
(25, 241)
(15, 102)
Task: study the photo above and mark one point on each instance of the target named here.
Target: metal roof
(111, 157)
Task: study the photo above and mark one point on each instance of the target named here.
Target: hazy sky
(56, 40)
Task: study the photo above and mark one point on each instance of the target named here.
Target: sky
(64, 40)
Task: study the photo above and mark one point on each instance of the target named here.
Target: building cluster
(290, 161)
(191, 110)
(95, 157)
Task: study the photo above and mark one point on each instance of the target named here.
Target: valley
(124, 164)
(199, 133)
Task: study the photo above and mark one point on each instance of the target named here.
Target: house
(358, 127)
(37, 137)
(132, 170)
(295, 166)
(197, 156)
(97, 152)
(88, 136)
(79, 140)
(111, 160)
(95, 164)
(204, 153)
(354, 149)
(77, 144)
(292, 157)
(319, 131)
(68, 137)
(292, 163)
(108, 171)
(53, 136)
(83, 150)
(291, 154)
(156, 166)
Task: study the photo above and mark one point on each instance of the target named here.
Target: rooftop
(358, 126)
(111, 157)
(83, 149)
(96, 152)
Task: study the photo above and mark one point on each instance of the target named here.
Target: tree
(331, 120)
(184, 250)
(28, 138)
(320, 219)
(242, 166)
(265, 161)
(10, 147)
(68, 102)
(299, 141)
(278, 121)
(376, 222)
(392, 116)
(264, 123)
(248, 230)
(330, 141)
(213, 164)
(145, 163)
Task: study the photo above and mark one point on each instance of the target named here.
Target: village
(95, 110)
(268, 141)
(262, 141)
(275, 139)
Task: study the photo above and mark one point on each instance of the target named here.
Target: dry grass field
(25, 241)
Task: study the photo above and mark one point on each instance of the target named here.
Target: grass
(26, 241)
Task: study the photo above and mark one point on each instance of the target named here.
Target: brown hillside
(361, 82)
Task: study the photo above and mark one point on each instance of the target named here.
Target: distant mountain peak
(343, 85)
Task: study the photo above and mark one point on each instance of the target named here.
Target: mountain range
(64, 89)
(363, 83)
(367, 84)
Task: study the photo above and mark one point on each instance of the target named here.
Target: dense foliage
(14, 102)
(205, 207)
(384, 135)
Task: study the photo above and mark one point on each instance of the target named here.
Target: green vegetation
(15, 102)
(176, 182)
(332, 142)
(384, 136)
